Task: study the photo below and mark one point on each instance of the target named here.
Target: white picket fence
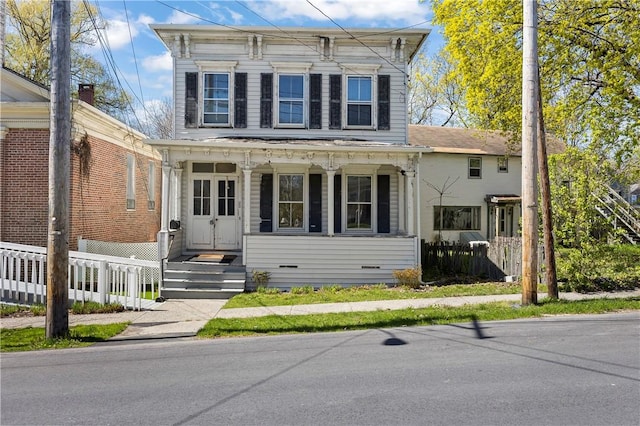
(91, 277)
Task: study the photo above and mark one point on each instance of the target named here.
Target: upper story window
(475, 168)
(503, 165)
(359, 101)
(291, 99)
(151, 187)
(215, 108)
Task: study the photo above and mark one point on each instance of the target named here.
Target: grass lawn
(33, 339)
(335, 294)
(274, 324)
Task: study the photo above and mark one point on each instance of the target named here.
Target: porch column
(331, 174)
(410, 195)
(246, 209)
(177, 184)
(164, 221)
(401, 202)
(497, 210)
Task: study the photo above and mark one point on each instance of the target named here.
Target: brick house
(115, 176)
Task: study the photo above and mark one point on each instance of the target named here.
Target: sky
(136, 50)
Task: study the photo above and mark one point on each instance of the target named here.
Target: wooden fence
(502, 257)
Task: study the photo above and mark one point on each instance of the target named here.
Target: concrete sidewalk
(184, 317)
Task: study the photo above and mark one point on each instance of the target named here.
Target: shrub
(90, 307)
(333, 288)
(265, 290)
(261, 278)
(409, 277)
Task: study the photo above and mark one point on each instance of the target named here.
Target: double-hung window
(291, 99)
(475, 168)
(216, 98)
(291, 201)
(359, 203)
(456, 218)
(359, 101)
(131, 182)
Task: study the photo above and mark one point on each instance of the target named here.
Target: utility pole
(57, 321)
(550, 275)
(529, 142)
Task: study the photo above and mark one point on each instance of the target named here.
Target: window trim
(287, 69)
(290, 170)
(360, 171)
(360, 70)
(216, 67)
(505, 167)
(470, 168)
(305, 100)
(477, 226)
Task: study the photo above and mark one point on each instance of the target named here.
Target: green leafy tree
(589, 54)
(28, 41)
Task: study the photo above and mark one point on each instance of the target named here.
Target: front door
(226, 226)
(201, 213)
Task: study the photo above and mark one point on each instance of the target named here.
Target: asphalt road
(581, 370)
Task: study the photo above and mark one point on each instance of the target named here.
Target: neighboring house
(115, 176)
(291, 150)
(634, 195)
(470, 184)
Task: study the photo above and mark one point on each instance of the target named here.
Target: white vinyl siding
(354, 260)
(398, 115)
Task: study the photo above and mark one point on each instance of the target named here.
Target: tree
(159, 119)
(28, 49)
(589, 67)
(435, 95)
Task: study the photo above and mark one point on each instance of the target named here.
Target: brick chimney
(85, 93)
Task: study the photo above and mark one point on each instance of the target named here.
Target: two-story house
(291, 151)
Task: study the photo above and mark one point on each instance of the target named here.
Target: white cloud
(361, 12)
(178, 17)
(120, 33)
(162, 62)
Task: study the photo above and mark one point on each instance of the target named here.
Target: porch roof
(502, 199)
(317, 145)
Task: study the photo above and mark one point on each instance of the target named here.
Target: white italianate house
(290, 153)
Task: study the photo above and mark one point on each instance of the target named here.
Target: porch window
(131, 183)
(216, 98)
(475, 168)
(359, 204)
(456, 218)
(291, 99)
(503, 165)
(291, 201)
(359, 101)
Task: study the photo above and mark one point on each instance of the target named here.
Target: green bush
(95, 308)
(599, 268)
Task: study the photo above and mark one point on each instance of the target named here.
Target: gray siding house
(291, 151)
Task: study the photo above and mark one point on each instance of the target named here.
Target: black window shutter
(337, 204)
(266, 203)
(384, 213)
(266, 100)
(384, 98)
(315, 101)
(191, 100)
(240, 101)
(335, 101)
(315, 203)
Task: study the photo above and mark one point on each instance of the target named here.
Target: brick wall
(25, 187)
(97, 207)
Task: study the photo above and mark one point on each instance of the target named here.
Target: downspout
(419, 218)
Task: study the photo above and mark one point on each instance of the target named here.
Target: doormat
(213, 258)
